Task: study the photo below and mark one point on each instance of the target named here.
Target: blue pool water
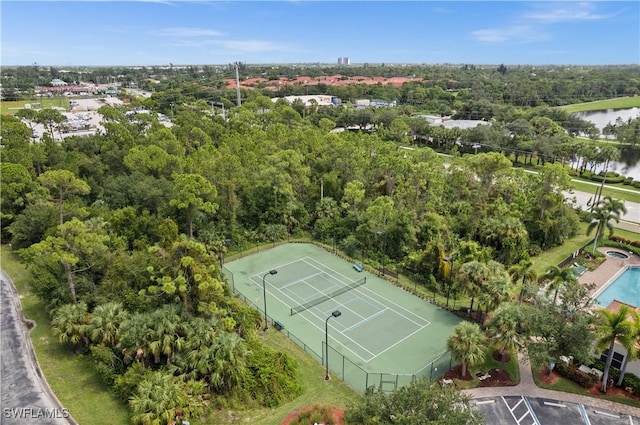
(625, 288)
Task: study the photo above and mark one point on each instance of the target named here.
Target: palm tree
(606, 210)
(135, 337)
(158, 400)
(523, 272)
(104, 326)
(471, 277)
(614, 326)
(230, 361)
(503, 329)
(70, 323)
(467, 345)
(497, 289)
(557, 278)
(167, 335)
(631, 345)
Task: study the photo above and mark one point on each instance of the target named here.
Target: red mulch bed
(612, 390)
(498, 378)
(338, 415)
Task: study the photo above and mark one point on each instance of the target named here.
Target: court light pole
(336, 313)
(264, 295)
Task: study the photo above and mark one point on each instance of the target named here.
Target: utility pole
(239, 102)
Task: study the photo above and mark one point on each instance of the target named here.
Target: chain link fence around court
(358, 378)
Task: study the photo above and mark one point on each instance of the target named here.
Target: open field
(72, 378)
(617, 103)
(14, 106)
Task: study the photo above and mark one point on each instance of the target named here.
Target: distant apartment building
(309, 100)
(56, 82)
(345, 61)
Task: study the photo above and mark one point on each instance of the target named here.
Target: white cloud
(565, 12)
(515, 34)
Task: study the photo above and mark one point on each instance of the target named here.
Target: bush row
(572, 373)
(625, 243)
(629, 381)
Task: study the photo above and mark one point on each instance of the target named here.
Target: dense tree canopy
(122, 230)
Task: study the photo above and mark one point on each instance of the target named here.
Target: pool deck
(608, 269)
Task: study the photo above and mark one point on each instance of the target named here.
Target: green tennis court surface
(382, 329)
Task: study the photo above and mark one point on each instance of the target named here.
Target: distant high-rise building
(344, 61)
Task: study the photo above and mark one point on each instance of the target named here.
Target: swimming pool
(625, 288)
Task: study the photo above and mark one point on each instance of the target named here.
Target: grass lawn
(316, 390)
(71, 377)
(616, 103)
(627, 234)
(11, 107)
(555, 255)
(623, 192)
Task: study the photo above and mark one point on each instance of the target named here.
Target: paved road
(25, 395)
(630, 221)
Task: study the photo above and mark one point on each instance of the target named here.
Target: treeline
(123, 231)
(516, 85)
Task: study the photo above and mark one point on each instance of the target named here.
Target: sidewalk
(527, 387)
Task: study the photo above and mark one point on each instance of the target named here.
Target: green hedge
(609, 179)
(629, 380)
(624, 243)
(572, 373)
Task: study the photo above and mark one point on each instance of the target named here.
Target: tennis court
(381, 328)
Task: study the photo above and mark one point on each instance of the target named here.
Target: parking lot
(523, 410)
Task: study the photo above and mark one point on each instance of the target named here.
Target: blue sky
(158, 32)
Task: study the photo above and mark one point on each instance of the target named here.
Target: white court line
(400, 340)
(364, 321)
(364, 287)
(344, 304)
(315, 291)
(346, 337)
(311, 311)
(295, 282)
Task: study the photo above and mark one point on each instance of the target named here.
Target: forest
(123, 231)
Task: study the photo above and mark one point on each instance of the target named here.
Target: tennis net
(324, 297)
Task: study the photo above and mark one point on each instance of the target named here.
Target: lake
(601, 118)
(629, 163)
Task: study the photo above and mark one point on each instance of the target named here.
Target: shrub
(572, 373)
(273, 377)
(609, 179)
(629, 380)
(316, 414)
(628, 181)
(106, 363)
(636, 184)
(633, 382)
(622, 243)
(126, 384)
